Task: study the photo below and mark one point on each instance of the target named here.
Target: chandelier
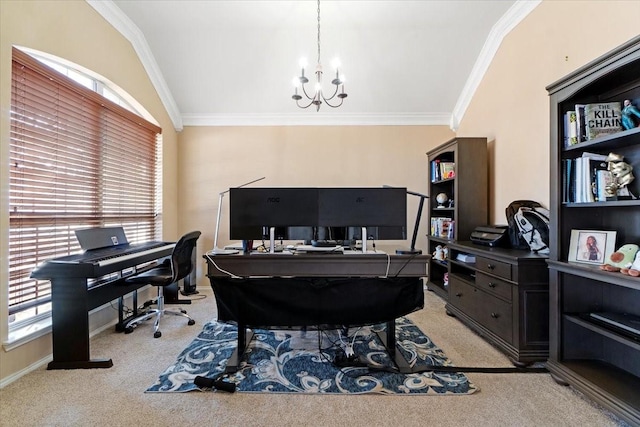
(318, 96)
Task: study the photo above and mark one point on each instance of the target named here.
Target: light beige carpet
(116, 396)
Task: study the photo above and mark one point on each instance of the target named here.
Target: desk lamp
(216, 250)
(412, 250)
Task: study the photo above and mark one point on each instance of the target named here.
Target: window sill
(27, 333)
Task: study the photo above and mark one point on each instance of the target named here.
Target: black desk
(279, 290)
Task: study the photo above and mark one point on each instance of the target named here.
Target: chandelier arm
(334, 106)
(304, 90)
(304, 106)
(332, 96)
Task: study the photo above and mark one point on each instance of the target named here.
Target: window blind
(77, 160)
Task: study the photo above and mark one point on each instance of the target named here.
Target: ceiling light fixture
(318, 97)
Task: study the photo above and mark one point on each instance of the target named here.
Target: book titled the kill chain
(602, 119)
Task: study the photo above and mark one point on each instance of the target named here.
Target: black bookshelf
(468, 189)
(598, 361)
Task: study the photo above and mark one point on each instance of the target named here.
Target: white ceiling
(232, 62)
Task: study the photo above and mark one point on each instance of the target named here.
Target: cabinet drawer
(489, 311)
(494, 286)
(498, 268)
(461, 295)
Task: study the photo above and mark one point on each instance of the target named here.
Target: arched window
(78, 159)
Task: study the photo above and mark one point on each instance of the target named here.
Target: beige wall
(212, 159)
(511, 106)
(75, 31)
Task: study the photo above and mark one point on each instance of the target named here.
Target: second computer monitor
(362, 207)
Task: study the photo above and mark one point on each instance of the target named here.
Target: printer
(491, 235)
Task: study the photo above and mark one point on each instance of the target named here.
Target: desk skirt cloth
(274, 302)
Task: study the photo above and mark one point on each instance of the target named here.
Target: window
(77, 160)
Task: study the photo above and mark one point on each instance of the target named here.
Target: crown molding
(113, 15)
(110, 12)
(346, 119)
(515, 14)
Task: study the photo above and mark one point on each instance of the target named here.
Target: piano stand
(72, 299)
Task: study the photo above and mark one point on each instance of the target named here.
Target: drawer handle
(459, 294)
(495, 315)
(491, 266)
(492, 285)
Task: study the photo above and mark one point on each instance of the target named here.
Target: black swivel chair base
(156, 313)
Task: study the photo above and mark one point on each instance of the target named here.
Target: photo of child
(592, 252)
(589, 244)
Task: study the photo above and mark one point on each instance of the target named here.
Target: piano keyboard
(133, 254)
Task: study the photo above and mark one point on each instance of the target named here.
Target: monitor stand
(272, 240)
(364, 239)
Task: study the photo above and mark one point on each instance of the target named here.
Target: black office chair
(168, 273)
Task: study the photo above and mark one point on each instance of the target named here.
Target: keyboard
(133, 253)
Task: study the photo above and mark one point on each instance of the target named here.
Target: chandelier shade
(317, 97)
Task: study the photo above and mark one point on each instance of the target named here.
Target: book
(581, 133)
(570, 129)
(571, 174)
(602, 119)
(579, 184)
(447, 170)
(462, 257)
(567, 178)
(436, 173)
(594, 163)
(587, 182)
(441, 227)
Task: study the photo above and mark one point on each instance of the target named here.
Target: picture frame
(591, 246)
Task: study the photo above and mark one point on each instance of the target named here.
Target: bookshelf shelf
(469, 191)
(596, 360)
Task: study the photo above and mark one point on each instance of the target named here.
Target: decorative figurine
(623, 257)
(440, 253)
(633, 269)
(621, 174)
(629, 111)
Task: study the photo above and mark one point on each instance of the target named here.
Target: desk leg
(70, 326)
(244, 339)
(388, 337)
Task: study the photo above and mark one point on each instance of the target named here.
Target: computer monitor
(362, 207)
(316, 213)
(254, 210)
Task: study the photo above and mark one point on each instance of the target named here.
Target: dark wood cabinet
(503, 295)
(466, 206)
(599, 361)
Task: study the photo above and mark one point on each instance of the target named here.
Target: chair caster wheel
(157, 334)
(128, 329)
(183, 311)
(191, 322)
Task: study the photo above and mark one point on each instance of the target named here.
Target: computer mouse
(291, 247)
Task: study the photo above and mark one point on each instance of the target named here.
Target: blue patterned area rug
(292, 361)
